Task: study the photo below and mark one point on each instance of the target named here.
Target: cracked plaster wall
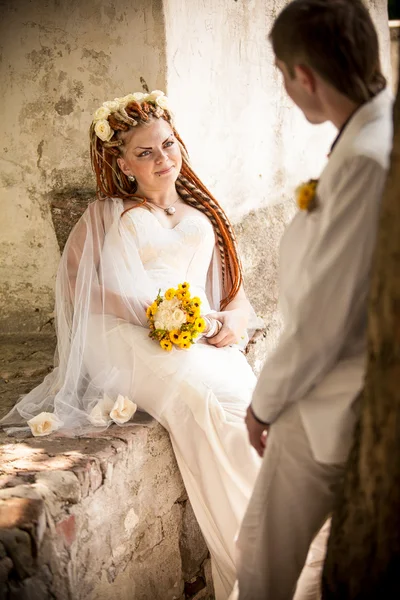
(60, 60)
(246, 139)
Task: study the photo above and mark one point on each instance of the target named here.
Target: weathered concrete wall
(244, 136)
(247, 140)
(60, 59)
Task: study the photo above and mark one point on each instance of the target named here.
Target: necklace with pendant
(170, 210)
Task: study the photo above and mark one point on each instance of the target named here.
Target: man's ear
(306, 77)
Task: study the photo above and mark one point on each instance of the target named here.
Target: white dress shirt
(325, 264)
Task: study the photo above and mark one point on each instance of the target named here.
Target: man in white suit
(305, 405)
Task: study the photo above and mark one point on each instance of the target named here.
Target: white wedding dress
(200, 396)
(111, 270)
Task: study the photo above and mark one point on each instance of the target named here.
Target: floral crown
(102, 127)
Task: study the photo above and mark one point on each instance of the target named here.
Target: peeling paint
(64, 106)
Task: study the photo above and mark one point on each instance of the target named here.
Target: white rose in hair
(101, 114)
(44, 424)
(138, 96)
(152, 97)
(99, 416)
(112, 105)
(162, 102)
(123, 410)
(103, 130)
(123, 102)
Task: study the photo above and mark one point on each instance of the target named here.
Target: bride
(153, 226)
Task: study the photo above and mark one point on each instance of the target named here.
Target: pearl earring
(131, 178)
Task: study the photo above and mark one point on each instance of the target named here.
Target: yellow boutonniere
(306, 197)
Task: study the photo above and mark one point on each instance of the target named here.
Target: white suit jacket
(325, 263)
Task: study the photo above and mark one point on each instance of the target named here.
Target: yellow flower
(185, 302)
(196, 302)
(195, 312)
(166, 345)
(195, 334)
(151, 310)
(185, 345)
(306, 195)
(200, 324)
(191, 318)
(174, 336)
(184, 337)
(169, 294)
(182, 294)
(184, 286)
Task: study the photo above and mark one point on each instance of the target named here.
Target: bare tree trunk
(363, 558)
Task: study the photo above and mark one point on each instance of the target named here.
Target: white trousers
(291, 501)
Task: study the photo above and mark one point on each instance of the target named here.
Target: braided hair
(112, 182)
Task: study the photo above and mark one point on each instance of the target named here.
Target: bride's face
(151, 154)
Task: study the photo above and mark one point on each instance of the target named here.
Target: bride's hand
(233, 328)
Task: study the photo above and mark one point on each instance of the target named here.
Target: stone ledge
(100, 516)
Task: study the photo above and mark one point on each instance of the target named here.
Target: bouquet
(174, 319)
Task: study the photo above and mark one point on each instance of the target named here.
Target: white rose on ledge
(99, 416)
(123, 410)
(44, 424)
(103, 130)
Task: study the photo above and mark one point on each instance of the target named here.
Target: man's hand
(257, 432)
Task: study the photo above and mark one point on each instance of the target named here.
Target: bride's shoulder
(103, 211)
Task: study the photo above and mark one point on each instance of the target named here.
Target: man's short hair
(337, 39)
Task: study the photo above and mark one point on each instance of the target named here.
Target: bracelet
(214, 327)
